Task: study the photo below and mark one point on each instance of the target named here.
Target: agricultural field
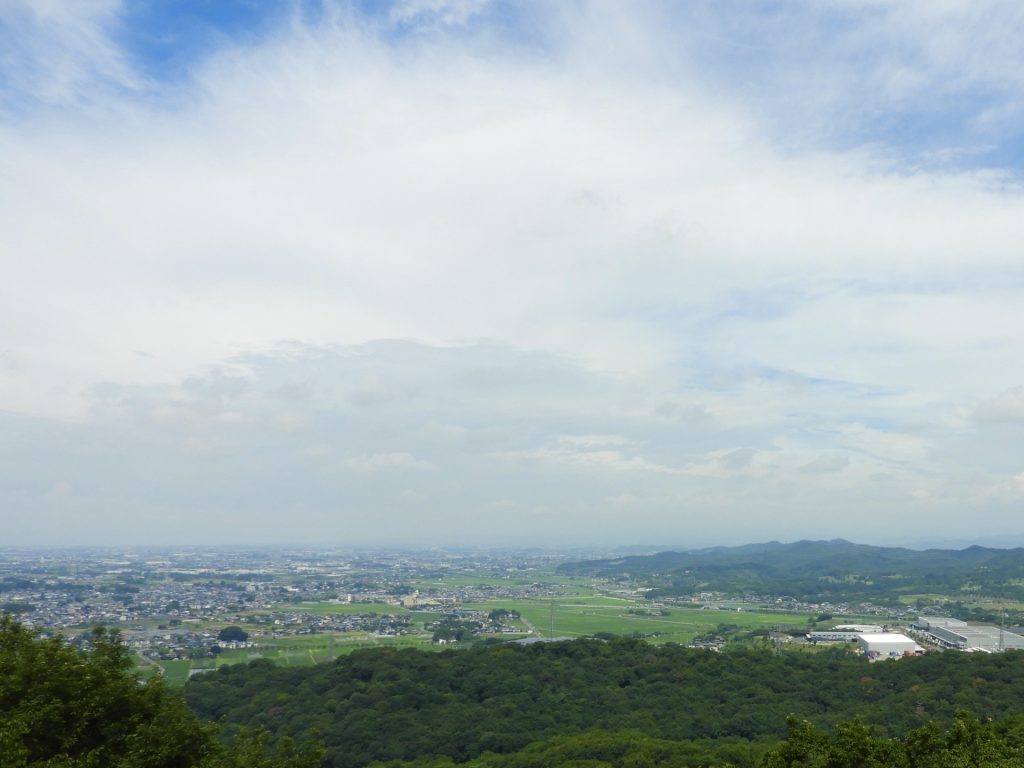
(313, 628)
(579, 616)
(569, 615)
(291, 652)
(175, 672)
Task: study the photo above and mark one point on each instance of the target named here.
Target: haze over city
(462, 272)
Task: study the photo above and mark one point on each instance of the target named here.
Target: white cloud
(739, 458)
(445, 12)
(1006, 407)
(940, 71)
(60, 52)
(681, 309)
(826, 464)
(378, 462)
(1006, 490)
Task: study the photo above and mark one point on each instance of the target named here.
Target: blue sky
(463, 271)
(167, 40)
(769, 52)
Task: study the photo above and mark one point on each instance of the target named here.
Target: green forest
(61, 707)
(820, 571)
(406, 705)
(620, 703)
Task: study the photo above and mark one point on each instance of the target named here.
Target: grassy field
(580, 609)
(581, 615)
(176, 672)
(302, 651)
(574, 616)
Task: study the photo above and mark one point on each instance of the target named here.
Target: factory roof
(884, 637)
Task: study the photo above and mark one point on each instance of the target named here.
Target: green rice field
(579, 611)
(579, 616)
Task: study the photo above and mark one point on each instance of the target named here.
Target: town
(186, 610)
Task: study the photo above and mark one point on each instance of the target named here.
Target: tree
(966, 743)
(61, 706)
(233, 635)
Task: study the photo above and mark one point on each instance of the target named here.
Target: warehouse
(831, 636)
(961, 636)
(887, 645)
(858, 628)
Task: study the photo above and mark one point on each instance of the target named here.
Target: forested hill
(409, 705)
(835, 570)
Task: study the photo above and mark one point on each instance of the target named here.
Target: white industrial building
(841, 633)
(887, 645)
(859, 628)
(831, 636)
(961, 636)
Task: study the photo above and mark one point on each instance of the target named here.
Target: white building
(841, 633)
(953, 633)
(832, 636)
(887, 645)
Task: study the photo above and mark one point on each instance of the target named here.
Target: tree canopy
(63, 707)
(387, 704)
(966, 744)
(583, 704)
(233, 635)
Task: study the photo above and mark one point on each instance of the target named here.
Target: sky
(471, 272)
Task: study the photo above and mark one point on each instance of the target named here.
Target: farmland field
(582, 607)
(573, 616)
(293, 652)
(580, 616)
(176, 672)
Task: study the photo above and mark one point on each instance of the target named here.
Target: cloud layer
(435, 275)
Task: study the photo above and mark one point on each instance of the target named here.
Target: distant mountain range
(835, 570)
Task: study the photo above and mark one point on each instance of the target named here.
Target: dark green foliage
(967, 744)
(387, 704)
(821, 571)
(64, 707)
(602, 749)
(233, 635)
(583, 704)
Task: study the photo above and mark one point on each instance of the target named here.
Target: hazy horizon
(566, 548)
(472, 272)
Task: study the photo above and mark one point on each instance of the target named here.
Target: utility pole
(551, 618)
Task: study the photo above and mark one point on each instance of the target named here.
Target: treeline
(513, 707)
(407, 705)
(62, 707)
(820, 571)
(965, 744)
